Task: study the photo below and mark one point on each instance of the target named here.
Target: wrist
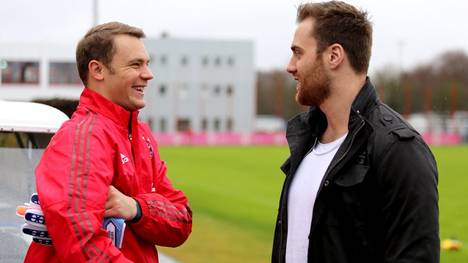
(138, 213)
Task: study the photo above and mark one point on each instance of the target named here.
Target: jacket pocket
(350, 200)
(346, 198)
(354, 175)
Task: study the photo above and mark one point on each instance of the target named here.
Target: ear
(335, 55)
(96, 70)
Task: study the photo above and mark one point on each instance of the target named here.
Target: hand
(120, 205)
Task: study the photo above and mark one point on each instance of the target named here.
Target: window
(217, 124)
(162, 89)
(21, 72)
(230, 61)
(151, 123)
(229, 90)
(163, 59)
(23, 140)
(204, 124)
(63, 73)
(184, 61)
(205, 61)
(229, 124)
(183, 125)
(162, 125)
(3, 64)
(217, 61)
(217, 90)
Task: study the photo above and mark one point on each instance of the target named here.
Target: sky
(406, 32)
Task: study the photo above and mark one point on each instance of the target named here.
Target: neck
(100, 89)
(337, 107)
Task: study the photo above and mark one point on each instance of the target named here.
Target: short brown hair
(342, 23)
(98, 44)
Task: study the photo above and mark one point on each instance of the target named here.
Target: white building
(31, 71)
(199, 85)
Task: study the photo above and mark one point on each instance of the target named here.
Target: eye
(297, 55)
(296, 52)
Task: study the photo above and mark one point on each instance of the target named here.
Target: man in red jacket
(103, 162)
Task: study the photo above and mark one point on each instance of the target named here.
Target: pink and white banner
(188, 138)
(444, 138)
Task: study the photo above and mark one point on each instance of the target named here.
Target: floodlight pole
(95, 12)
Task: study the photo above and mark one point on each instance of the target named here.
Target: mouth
(140, 89)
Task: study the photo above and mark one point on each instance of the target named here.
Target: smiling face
(307, 67)
(127, 76)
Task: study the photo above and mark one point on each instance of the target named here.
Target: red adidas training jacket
(102, 145)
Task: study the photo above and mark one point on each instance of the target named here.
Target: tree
(440, 85)
(276, 94)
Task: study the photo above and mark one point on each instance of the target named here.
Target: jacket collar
(313, 123)
(365, 98)
(95, 102)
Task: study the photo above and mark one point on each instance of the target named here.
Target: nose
(147, 74)
(291, 68)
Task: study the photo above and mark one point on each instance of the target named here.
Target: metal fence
(16, 172)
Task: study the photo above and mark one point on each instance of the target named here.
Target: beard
(314, 87)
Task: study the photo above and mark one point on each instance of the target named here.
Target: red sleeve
(72, 181)
(166, 216)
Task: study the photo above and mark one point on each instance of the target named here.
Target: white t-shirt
(302, 194)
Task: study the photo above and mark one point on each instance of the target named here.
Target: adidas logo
(123, 158)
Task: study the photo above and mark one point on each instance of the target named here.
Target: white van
(25, 130)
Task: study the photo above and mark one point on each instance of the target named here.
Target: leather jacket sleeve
(408, 182)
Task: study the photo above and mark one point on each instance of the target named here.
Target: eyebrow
(295, 48)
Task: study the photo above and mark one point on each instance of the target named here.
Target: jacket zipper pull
(130, 137)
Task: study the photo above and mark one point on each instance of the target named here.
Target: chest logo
(123, 158)
(149, 146)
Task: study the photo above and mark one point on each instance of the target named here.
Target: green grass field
(234, 193)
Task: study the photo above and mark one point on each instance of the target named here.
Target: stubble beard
(314, 88)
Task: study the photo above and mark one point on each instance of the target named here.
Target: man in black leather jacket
(377, 199)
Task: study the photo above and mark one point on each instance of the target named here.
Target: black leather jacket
(378, 201)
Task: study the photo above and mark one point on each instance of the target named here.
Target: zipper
(347, 150)
(130, 137)
(283, 251)
(339, 160)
